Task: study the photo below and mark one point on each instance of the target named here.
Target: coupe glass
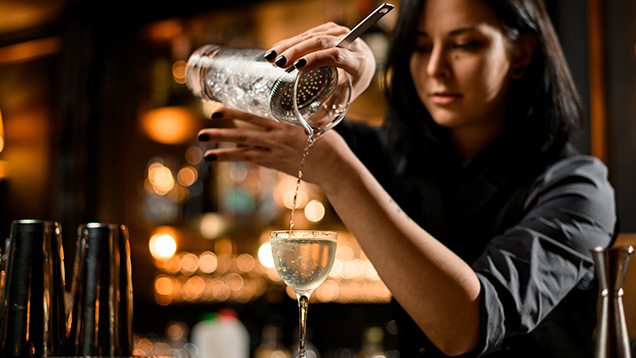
(303, 259)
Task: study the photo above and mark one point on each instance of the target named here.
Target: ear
(522, 55)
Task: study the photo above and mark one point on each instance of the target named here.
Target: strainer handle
(364, 25)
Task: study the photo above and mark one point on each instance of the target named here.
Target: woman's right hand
(316, 48)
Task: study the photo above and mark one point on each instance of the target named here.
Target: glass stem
(303, 302)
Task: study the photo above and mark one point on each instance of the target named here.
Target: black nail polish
(301, 62)
(210, 157)
(281, 61)
(270, 55)
(204, 137)
(217, 115)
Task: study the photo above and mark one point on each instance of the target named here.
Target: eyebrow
(452, 33)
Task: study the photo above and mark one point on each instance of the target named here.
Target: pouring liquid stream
(310, 142)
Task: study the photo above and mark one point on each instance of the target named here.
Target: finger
(327, 29)
(240, 154)
(239, 136)
(352, 63)
(233, 114)
(319, 38)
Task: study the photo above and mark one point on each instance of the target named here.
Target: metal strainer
(313, 88)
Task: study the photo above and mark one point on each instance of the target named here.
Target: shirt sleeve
(530, 268)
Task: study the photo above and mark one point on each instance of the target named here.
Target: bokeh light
(179, 71)
(265, 255)
(162, 246)
(187, 176)
(314, 211)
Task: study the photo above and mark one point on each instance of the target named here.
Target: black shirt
(524, 221)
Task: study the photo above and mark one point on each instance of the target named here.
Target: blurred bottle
(372, 344)
(221, 335)
(271, 346)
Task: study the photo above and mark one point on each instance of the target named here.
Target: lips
(444, 98)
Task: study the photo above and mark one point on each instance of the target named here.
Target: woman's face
(461, 66)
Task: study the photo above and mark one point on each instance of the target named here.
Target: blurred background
(96, 124)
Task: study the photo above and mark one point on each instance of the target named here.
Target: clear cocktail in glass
(303, 259)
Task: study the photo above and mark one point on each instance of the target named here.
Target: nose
(438, 65)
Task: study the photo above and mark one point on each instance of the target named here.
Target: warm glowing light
(238, 172)
(314, 211)
(176, 330)
(207, 262)
(187, 176)
(288, 199)
(223, 247)
(194, 155)
(212, 225)
(164, 285)
(189, 264)
(245, 262)
(145, 345)
(193, 288)
(161, 178)
(30, 50)
(328, 291)
(265, 255)
(162, 246)
(179, 71)
(345, 253)
(5, 169)
(336, 269)
(234, 281)
(169, 125)
(1, 133)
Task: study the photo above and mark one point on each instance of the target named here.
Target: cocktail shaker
(242, 79)
(100, 322)
(32, 312)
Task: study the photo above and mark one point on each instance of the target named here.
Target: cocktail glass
(303, 259)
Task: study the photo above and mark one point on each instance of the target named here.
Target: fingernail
(204, 137)
(217, 115)
(270, 55)
(210, 157)
(301, 62)
(281, 61)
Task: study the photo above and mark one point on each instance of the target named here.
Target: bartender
(474, 209)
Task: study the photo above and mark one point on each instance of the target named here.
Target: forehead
(445, 16)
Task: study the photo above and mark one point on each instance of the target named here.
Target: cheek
(497, 69)
(418, 73)
(490, 78)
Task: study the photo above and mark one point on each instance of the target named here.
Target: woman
(470, 204)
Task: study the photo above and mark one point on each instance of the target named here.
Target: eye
(423, 48)
(467, 46)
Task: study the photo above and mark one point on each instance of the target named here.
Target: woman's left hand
(274, 145)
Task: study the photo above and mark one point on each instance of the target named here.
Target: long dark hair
(543, 106)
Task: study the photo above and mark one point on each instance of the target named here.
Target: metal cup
(612, 338)
(32, 306)
(100, 322)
